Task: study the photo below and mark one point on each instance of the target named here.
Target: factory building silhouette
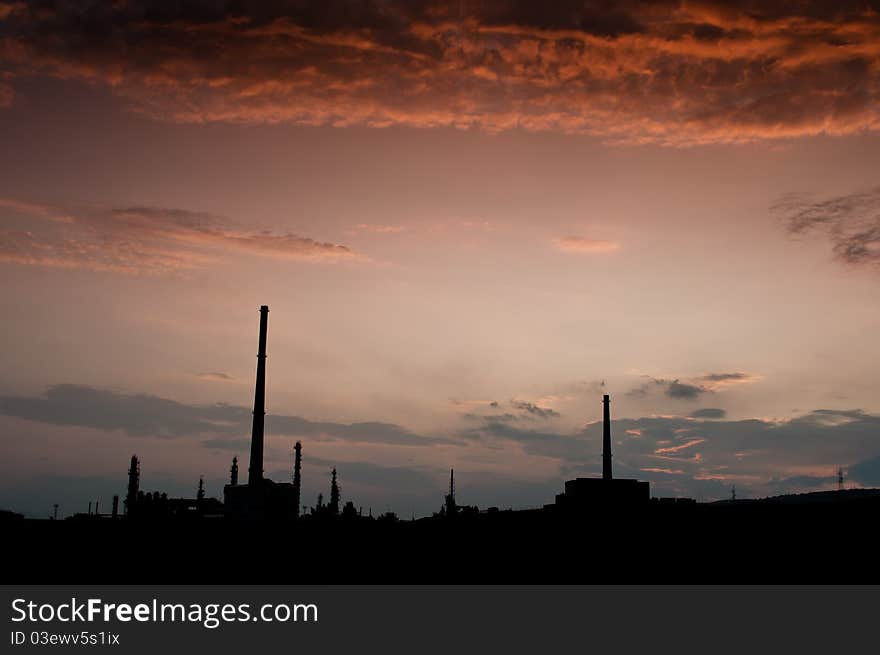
(587, 493)
(264, 499)
(260, 498)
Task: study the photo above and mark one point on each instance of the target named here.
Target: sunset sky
(469, 219)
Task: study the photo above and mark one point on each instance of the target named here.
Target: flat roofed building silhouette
(606, 491)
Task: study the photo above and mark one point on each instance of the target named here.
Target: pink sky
(467, 227)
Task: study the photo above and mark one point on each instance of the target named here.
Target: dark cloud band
(144, 415)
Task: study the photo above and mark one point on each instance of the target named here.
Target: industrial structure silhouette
(262, 498)
(637, 537)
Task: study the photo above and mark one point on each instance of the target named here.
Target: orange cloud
(679, 448)
(716, 381)
(583, 245)
(654, 469)
(630, 72)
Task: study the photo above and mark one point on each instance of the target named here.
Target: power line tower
(840, 479)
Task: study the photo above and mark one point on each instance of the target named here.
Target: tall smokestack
(297, 478)
(255, 472)
(606, 437)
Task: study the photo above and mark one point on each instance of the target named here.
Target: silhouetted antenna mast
(733, 494)
(55, 512)
(840, 479)
(200, 495)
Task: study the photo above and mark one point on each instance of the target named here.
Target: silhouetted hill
(741, 542)
(9, 515)
(811, 498)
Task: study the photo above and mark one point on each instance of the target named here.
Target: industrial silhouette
(233, 472)
(450, 505)
(588, 493)
(134, 478)
(262, 498)
(297, 478)
(334, 495)
(614, 517)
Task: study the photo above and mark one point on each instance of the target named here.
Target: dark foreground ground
(739, 543)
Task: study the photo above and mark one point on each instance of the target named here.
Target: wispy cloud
(678, 447)
(691, 388)
(379, 228)
(218, 376)
(584, 245)
(141, 240)
(533, 409)
(714, 381)
(851, 222)
(522, 409)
